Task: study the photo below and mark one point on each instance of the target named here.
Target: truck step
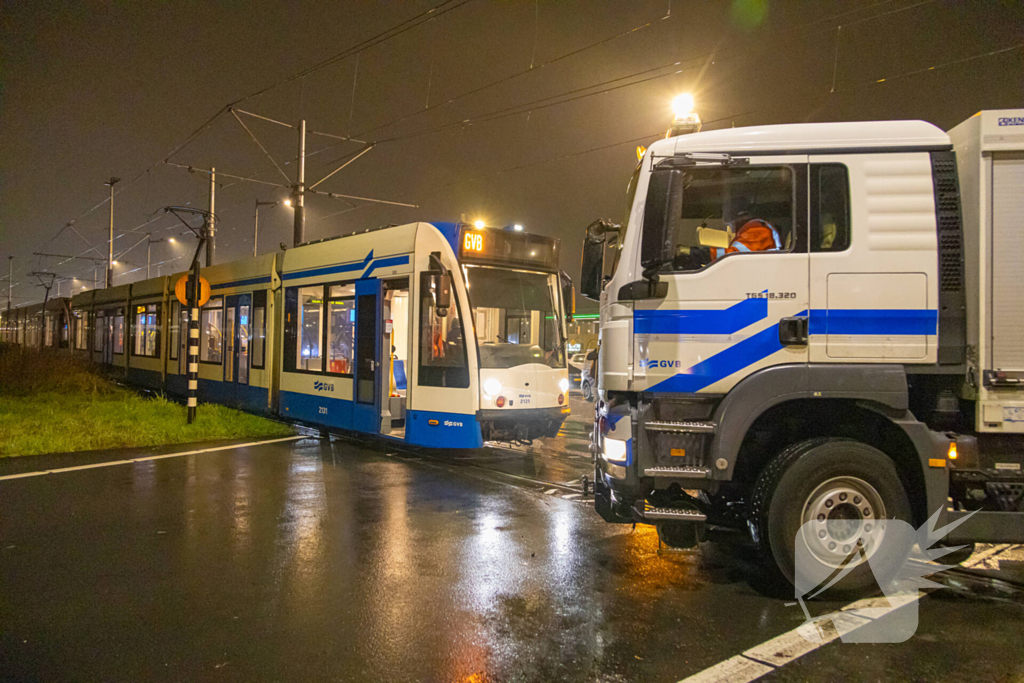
(675, 514)
(678, 472)
(682, 427)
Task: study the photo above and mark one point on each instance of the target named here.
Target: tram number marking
(323, 410)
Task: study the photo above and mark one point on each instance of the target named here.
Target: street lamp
(149, 246)
(256, 222)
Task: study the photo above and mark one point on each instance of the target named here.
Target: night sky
(92, 90)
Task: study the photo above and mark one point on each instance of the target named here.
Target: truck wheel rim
(841, 517)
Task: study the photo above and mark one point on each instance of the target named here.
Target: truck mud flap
(986, 527)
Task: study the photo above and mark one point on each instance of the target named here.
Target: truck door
(874, 279)
(737, 296)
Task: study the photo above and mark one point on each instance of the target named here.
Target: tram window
(341, 315)
(119, 331)
(211, 334)
(443, 360)
(175, 329)
(259, 326)
(147, 330)
(309, 356)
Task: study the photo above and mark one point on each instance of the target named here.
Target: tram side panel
(234, 367)
(444, 394)
(322, 285)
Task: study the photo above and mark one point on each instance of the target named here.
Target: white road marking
(770, 655)
(739, 669)
(148, 457)
(978, 558)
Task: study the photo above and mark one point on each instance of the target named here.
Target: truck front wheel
(820, 507)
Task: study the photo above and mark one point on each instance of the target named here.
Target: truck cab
(788, 324)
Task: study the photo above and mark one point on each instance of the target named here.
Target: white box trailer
(990, 163)
(815, 323)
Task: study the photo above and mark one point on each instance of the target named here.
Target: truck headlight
(614, 450)
(563, 385)
(492, 387)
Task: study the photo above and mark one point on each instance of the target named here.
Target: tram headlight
(563, 385)
(492, 387)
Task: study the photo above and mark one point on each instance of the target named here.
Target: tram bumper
(521, 424)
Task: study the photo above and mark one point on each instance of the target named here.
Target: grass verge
(51, 403)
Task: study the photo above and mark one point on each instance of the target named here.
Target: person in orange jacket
(749, 233)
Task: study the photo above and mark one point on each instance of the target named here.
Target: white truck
(815, 323)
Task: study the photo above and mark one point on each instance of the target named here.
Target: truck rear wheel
(827, 497)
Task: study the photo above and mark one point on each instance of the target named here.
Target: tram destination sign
(506, 247)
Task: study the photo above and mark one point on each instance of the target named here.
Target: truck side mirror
(592, 268)
(656, 240)
(568, 296)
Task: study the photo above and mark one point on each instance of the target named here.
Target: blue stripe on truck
(701, 321)
(854, 321)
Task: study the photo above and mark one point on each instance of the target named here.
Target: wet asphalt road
(327, 560)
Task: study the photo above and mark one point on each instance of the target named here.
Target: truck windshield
(517, 317)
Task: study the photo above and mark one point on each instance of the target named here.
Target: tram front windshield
(517, 317)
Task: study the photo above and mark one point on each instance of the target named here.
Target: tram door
(366, 407)
(236, 344)
(108, 339)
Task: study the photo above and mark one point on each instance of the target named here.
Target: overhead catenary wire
(381, 37)
(483, 118)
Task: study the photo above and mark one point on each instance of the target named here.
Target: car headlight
(563, 385)
(492, 387)
(614, 450)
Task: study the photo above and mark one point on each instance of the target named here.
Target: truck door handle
(793, 331)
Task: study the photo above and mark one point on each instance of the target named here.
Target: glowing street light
(517, 227)
(479, 225)
(287, 202)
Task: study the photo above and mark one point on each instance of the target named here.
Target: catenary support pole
(211, 245)
(256, 230)
(299, 201)
(110, 239)
(10, 281)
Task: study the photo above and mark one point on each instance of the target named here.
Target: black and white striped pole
(193, 336)
(193, 297)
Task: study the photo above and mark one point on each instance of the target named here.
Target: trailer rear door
(1007, 306)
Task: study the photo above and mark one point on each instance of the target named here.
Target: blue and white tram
(439, 335)
(369, 345)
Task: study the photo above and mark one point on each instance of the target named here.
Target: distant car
(588, 376)
(576, 362)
